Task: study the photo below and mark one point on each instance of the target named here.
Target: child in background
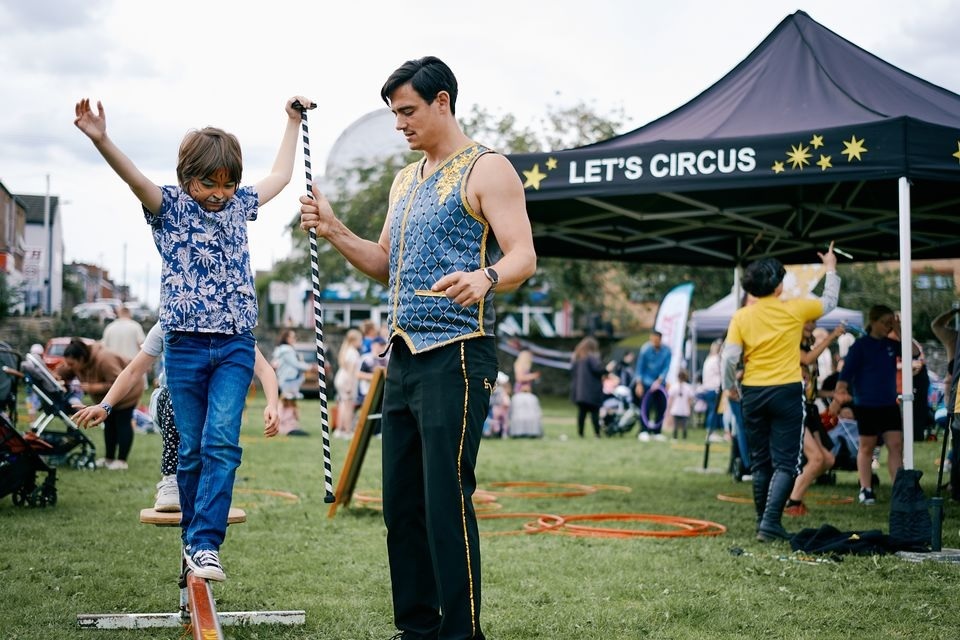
(497, 424)
(208, 307)
(346, 382)
(33, 400)
(291, 371)
(681, 403)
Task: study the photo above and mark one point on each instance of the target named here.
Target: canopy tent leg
(906, 322)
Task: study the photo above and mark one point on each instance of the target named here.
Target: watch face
(493, 275)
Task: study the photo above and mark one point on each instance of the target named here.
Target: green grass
(89, 554)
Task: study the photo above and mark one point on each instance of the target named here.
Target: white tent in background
(712, 322)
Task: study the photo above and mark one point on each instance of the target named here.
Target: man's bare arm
(371, 258)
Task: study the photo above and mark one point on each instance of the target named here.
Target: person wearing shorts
(869, 380)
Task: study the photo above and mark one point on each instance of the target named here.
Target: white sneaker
(644, 437)
(116, 465)
(168, 495)
(659, 437)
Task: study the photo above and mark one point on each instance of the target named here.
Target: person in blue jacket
(653, 363)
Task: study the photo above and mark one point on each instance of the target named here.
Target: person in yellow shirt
(766, 334)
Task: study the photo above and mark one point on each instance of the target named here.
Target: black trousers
(434, 406)
(773, 421)
(118, 434)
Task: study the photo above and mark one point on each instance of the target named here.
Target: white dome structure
(370, 138)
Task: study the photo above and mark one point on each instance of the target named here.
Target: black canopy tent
(809, 139)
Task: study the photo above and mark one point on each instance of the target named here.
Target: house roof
(34, 206)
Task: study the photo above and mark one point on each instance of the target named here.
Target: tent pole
(737, 291)
(906, 322)
(694, 364)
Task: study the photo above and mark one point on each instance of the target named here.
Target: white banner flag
(671, 322)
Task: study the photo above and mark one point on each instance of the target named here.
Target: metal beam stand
(198, 609)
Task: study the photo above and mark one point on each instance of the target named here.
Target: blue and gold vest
(433, 232)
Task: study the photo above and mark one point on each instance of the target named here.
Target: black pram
(71, 446)
(20, 462)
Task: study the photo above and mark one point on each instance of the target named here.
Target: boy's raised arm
(282, 169)
(94, 125)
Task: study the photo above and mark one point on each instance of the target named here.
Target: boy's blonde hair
(203, 152)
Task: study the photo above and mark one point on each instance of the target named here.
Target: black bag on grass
(910, 523)
(830, 540)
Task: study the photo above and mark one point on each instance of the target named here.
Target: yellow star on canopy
(854, 148)
(824, 162)
(816, 142)
(551, 164)
(956, 154)
(798, 156)
(777, 167)
(534, 177)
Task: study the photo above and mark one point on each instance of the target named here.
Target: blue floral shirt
(206, 283)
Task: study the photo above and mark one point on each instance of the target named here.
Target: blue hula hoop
(645, 406)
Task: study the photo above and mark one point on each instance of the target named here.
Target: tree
(362, 210)
(9, 297)
(867, 284)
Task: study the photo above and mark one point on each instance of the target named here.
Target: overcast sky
(163, 68)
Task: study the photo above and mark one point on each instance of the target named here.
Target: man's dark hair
(761, 278)
(428, 76)
(656, 333)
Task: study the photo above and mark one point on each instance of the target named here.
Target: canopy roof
(800, 144)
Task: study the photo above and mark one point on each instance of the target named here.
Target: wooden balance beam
(197, 608)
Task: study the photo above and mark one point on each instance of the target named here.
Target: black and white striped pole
(317, 316)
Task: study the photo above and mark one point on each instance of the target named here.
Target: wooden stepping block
(172, 519)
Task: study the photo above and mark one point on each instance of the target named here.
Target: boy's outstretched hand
(94, 125)
(296, 103)
(90, 416)
(271, 421)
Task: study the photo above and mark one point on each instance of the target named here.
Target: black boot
(770, 529)
(761, 487)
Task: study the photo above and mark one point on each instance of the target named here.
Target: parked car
(101, 311)
(53, 351)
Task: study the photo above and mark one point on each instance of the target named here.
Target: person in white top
(681, 403)
(710, 390)
(124, 335)
(346, 382)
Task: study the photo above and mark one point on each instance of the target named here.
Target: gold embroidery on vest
(405, 178)
(450, 177)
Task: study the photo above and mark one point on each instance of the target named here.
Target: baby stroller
(72, 446)
(618, 413)
(20, 462)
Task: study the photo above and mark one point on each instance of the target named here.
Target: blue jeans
(208, 375)
(711, 421)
